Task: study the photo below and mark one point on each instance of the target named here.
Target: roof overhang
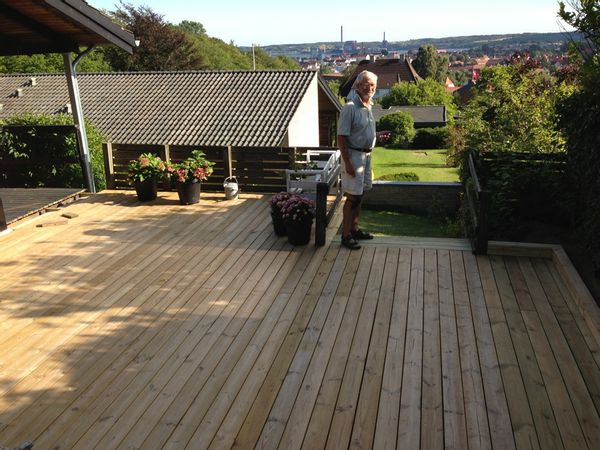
(56, 26)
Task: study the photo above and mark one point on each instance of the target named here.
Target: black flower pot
(188, 193)
(298, 232)
(146, 190)
(278, 225)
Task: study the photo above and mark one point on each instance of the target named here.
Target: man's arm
(343, 145)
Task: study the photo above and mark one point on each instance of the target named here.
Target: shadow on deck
(165, 326)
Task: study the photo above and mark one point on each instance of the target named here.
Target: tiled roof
(237, 108)
(423, 116)
(388, 71)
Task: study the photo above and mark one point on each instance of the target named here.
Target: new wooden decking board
(213, 377)
(240, 387)
(292, 388)
(386, 428)
(166, 346)
(478, 429)
(455, 426)
(578, 379)
(543, 416)
(320, 422)
(308, 291)
(409, 422)
(432, 415)
(495, 398)
(192, 292)
(343, 419)
(495, 284)
(200, 365)
(167, 363)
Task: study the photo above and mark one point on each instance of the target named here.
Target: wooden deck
(165, 326)
(20, 203)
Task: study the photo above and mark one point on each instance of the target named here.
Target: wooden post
(3, 224)
(227, 161)
(481, 237)
(321, 214)
(166, 181)
(109, 170)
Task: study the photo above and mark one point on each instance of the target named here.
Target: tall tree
(423, 92)
(162, 45)
(430, 64)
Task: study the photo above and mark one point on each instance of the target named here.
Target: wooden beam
(3, 224)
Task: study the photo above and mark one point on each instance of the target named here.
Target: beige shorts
(363, 180)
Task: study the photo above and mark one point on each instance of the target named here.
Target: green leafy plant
(401, 125)
(39, 153)
(145, 167)
(194, 169)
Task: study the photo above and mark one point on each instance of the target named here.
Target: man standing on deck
(356, 139)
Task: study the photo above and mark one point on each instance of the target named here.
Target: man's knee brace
(355, 201)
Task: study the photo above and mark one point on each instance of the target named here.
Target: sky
(268, 22)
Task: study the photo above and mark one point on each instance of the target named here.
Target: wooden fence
(257, 169)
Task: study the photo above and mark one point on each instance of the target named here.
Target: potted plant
(144, 173)
(298, 213)
(189, 174)
(277, 201)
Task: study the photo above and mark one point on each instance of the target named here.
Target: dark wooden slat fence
(257, 169)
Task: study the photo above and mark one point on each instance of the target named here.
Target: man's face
(366, 89)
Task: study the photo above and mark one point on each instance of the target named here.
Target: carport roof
(56, 26)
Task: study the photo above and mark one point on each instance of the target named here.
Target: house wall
(304, 126)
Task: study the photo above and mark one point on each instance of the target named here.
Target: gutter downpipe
(82, 142)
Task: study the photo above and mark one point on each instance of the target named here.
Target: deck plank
(389, 404)
(166, 326)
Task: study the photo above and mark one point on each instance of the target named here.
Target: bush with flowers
(298, 209)
(194, 169)
(145, 167)
(277, 201)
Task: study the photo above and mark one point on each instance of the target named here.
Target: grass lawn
(393, 223)
(429, 165)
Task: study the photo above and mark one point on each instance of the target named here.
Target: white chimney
(19, 92)
(32, 81)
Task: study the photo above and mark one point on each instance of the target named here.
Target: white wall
(304, 126)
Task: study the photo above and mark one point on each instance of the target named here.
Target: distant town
(466, 54)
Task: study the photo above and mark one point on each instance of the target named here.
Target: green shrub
(402, 126)
(50, 147)
(430, 138)
(402, 176)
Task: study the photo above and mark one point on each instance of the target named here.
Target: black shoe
(361, 235)
(350, 242)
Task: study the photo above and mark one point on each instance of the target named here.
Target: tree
(402, 126)
(584, 15)
(580, 119)
(191, 27)
(423, 92)
(53, 62)
(162, 45)
(430, 64)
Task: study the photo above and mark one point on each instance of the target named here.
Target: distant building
(388, 71)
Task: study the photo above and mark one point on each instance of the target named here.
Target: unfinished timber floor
(157, 325)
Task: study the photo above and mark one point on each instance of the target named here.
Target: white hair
(365, 74)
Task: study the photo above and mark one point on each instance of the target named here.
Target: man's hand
(349, 168)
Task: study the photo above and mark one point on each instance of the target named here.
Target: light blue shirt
(357, 123)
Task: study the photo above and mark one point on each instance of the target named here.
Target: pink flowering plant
(298, 209)
(277, 201)
(145, 167)
(194, 169)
